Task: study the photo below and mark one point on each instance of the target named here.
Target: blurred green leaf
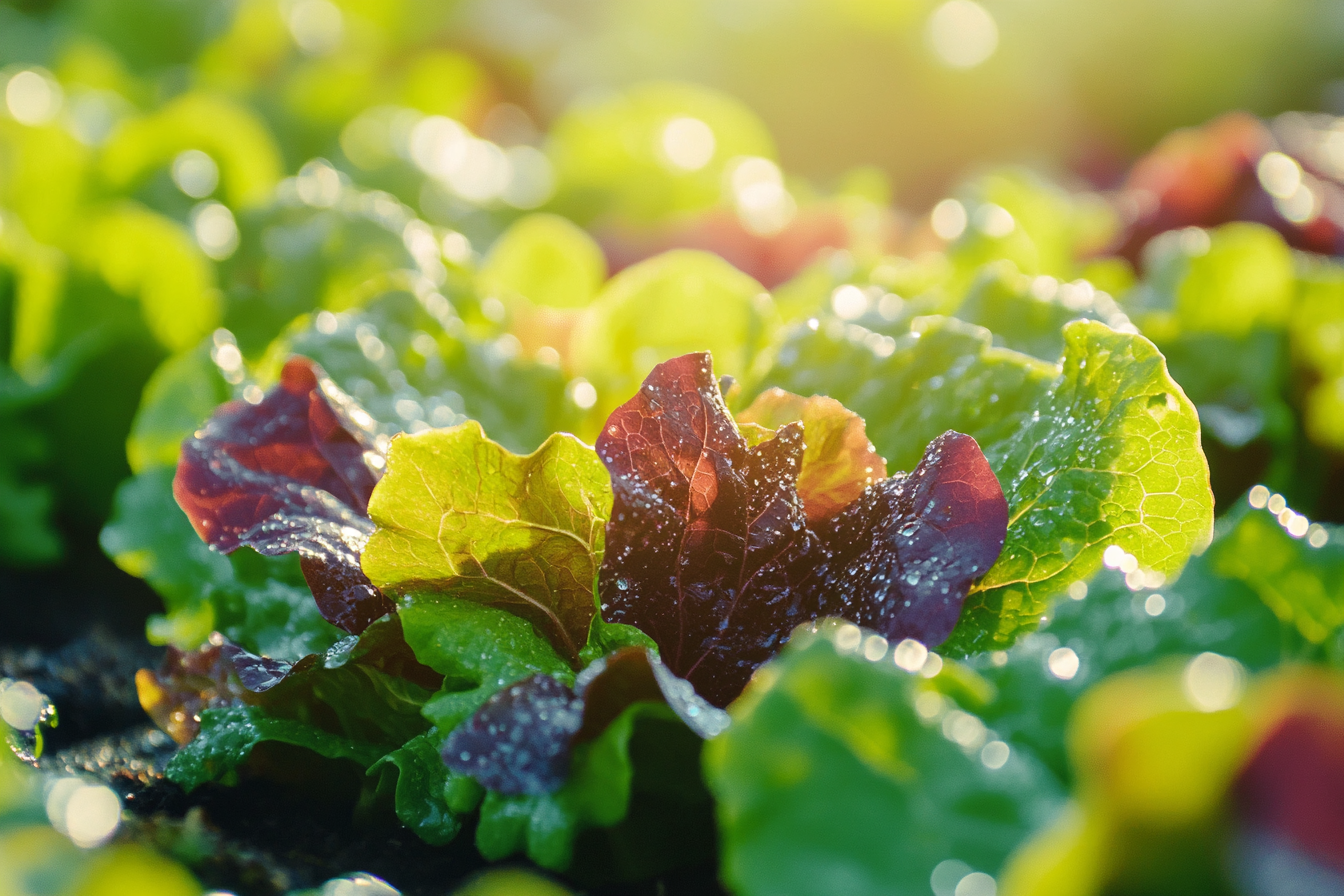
(232, 135)
(546, 260)
(148, 257)
(180, 396)
(1232, 280)
(829, 780)
(1300, 578)
(1046, 229)
(260, 603)
(611, 154)
(1028, 315)
(674, 303)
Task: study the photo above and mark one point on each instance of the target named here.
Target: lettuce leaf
(831, 779)
(711, 555)
(413, 364)
(1110, 459)
(1102, 449)
(838, 460)
(229, 734)
(460, 516)
(291, 474)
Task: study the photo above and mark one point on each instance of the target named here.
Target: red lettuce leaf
(292, 473)
(905, 553)
(630, 675)
(710, 552)
(521, 740)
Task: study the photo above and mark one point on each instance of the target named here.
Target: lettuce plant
(536, 638)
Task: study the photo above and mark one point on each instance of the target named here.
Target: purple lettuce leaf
(292, 473)
(521, 741)
(710, 551)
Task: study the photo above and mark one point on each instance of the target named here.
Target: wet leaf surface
(291, 474)
(711, 554)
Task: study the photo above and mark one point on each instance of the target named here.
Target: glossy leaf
(838, 460)
(421, 779)
(518, 742)
(711, 555)
(459, 516)
(596, 794)
(411, 363)
(944, 374)
(478, 649)
(291, 474)
(229, 734)
(1110, 457)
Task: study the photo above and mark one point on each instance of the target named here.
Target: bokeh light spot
(32, 98)
(1213, 682)
(1063, 663)
(995, 755)
(195, 173)
(317, 26)
(948, 219)
(910, 655)
(216, 230)
(849, 302)
(962, 34)
(977, 883)
(688, 144)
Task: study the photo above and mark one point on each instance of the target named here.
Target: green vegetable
(829, 777)
(1110, 459)
(462, 518)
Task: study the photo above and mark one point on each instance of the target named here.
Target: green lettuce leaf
(461, 517)
(609, 154)
(1225, 601)
(678, 302)
(546, 260)
(943, 375)
(422, 779)
(477, 648)
(1232, 280)
(180, 396)
(1101, 449)
(412, 363)
(1298, 573)
(1028, 315)
(260, 603)
(1110, 458)
(229, 734)
(830, 780)
(597, 793)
